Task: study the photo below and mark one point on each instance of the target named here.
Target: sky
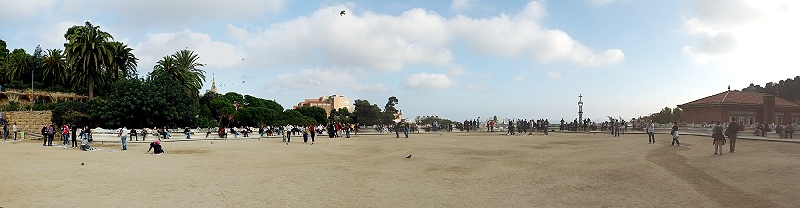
(458, 59)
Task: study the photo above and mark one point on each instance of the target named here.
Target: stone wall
(29, 121)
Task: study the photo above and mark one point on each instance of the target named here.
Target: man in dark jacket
(733, 130)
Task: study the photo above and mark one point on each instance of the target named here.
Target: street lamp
(32, 99)
(580, 108)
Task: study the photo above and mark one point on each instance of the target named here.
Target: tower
(213, 85)
(580, 108)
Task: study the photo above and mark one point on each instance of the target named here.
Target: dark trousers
(74, 141)
(45, 137)
(50, 139)
(651, 137)
(732, 138)
(675, 140)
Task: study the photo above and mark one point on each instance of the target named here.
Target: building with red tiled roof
(746, 107)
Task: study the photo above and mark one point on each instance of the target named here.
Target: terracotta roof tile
(741, 97)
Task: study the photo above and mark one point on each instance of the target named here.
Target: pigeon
(341, 13)
(212, 142)
(409, 156)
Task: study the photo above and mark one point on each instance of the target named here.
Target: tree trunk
(91, 86)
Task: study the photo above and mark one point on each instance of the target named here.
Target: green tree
(87, 49)
(55, 67)
(677, 114)
(122, 62)
(183, 67)
(318, 114)
(365, 113)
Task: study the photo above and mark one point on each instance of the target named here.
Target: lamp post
(32, 99)
(580, 108)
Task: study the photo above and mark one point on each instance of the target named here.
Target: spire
(213, 85)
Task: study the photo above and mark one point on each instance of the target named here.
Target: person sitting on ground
(156, 147)
(85, 143)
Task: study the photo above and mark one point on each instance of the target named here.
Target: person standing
(51, 132)
(44, 136)
(74, 136)
(545, 125)
(719, 138)
(651, 128)
(123, 134)
(674, 134)
(144, 134)
(5, 132)
(732, 132)
(14, 128)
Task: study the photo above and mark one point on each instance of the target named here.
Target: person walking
(651, 128)
(732, 132)
(405, 130)
(719, 138)
(674, 134)
(313, 133)
(123, 134)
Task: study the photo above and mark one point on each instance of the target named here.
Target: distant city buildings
(328, 103)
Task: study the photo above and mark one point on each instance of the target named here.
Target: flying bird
(409, 156)
(341, 13)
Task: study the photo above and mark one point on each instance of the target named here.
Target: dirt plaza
(445, 170)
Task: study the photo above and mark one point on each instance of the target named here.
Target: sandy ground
(447, 170)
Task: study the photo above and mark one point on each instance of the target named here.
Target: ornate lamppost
(580, 108)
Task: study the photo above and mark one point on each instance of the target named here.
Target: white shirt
(124, 132)
(14, 128)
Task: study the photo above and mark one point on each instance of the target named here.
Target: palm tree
(55, 67)
(182, 67)
(123, 63)
(186, 61)
(87, 49)
(15, 64)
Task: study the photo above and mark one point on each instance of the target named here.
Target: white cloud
(523, 35)
(214, 54)
(12, 11)
(426, 81)
(379, 42)
(372, 41)
(158, 12)
(462, 5)
(745, 36)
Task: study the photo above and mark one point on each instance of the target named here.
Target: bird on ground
(212, 142)
(341, 13)
(409, 156)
